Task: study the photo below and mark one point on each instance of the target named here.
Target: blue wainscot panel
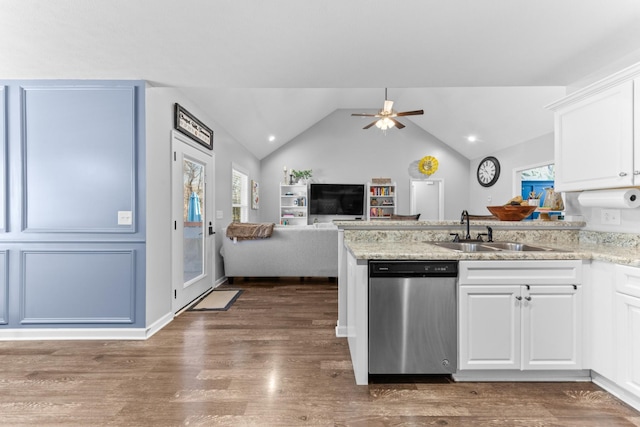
(4, 288)
(3, 161)
(79, 145)
(73, 287)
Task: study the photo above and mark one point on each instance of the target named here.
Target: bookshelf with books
(293, 204)
(381, 200)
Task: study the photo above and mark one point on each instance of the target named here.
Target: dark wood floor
(271, 360)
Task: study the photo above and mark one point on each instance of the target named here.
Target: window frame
(244, 193)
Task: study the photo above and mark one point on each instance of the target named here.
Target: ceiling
(277, 67)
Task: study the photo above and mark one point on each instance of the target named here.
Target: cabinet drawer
(628, 280)
(538, 272)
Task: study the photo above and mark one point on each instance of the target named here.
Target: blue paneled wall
(72, 159)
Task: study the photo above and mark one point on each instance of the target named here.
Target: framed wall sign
(187, 123)
(255, 195)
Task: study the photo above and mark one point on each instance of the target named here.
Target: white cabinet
(522, 315)
(381, 200)
(628, 328)
(636, 132)
(595, 145)
(599, 306)
(489, 325)
(293, 204)
(551, 327)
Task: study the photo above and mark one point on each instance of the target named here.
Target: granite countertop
(389, 224)
(424, 250)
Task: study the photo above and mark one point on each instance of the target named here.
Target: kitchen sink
(465, 247)
(493, 247)
(519, 247)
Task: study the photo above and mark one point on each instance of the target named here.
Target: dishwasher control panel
(413, 268)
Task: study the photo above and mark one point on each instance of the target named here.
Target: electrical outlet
(488, 199)
(610, 216)
(125, 218)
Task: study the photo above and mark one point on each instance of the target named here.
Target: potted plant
(301, 176)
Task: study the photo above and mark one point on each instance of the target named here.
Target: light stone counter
(475, 224)
(383, 239)
(422, 251)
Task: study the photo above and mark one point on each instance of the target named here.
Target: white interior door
(427, 199)
(192, 240)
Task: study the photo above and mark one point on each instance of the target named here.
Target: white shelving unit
(381, 200)
(293, 204)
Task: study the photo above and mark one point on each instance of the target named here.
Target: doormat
(217, 300)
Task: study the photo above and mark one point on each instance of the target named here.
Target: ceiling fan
(386, 118)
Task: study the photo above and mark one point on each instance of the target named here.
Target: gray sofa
(291, 251)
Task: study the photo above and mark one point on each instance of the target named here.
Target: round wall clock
(488, 171)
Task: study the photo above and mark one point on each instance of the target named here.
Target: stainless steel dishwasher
(413, 317)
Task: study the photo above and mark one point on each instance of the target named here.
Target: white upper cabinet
(595, 146)
(636, 130)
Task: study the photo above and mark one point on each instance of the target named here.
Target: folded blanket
(248, 230)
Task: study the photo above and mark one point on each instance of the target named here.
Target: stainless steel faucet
(464, 214)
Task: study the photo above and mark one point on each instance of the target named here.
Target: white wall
(536, 151)
(629, 218)
(159, 123)
(338, 150)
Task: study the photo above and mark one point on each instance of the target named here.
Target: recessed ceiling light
(272, 138)
(472, 138)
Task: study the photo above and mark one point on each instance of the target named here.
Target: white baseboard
(50, 334)
(341, 331)
(36, 334)
(508, 375)
(619, 392)
(159, 324)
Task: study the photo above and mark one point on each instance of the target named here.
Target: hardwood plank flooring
(272, 359)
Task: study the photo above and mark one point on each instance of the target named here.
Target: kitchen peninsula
(576, 251)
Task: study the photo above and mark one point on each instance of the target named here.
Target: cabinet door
(489, 323)
(552, 327)
(636, 130)
(628, 342)
(594, 141)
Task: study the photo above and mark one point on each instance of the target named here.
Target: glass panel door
(193, 248)
(193, 239)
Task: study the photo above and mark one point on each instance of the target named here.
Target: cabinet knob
(519, 298)
(527, 298)
(622, 174)
(636, 172)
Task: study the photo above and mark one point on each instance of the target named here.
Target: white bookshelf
(381, 200)
(294, 204)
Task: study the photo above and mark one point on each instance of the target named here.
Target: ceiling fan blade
(410, 113)
(364, 115)
(397, 123)
(388, 106)
(370, 124)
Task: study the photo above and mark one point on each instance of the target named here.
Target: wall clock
(488, 171)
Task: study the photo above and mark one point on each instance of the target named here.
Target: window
(239, 195)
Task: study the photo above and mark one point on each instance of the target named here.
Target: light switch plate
(219, 214)
(125, 218)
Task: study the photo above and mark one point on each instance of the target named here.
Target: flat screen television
(336, 199)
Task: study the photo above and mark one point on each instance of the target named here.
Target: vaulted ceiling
(261, 68)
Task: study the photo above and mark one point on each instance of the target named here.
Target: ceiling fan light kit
(386, 117)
